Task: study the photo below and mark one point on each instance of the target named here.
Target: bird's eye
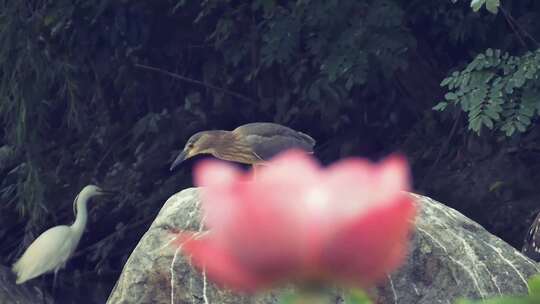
(190, 146)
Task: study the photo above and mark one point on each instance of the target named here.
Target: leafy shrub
(497, 91)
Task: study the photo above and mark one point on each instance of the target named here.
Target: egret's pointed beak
(107, 192)
(179, 159)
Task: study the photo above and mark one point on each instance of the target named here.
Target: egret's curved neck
(82, 214)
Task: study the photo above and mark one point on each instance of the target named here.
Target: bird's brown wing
(271, 130)
(266, 147)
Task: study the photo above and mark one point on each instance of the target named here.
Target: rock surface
(19, 294)
(450, 257)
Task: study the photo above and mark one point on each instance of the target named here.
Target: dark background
(107, 92)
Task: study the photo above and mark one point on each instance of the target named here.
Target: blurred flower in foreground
(297, 222)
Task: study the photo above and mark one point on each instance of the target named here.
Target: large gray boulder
(27, 293)
(450, 257)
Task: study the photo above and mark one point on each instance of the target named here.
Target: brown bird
(252, 143)
(531, 245)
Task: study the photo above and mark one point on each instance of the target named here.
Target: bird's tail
(308, 138)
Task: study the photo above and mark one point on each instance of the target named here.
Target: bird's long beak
(107, 192)
(179, 159)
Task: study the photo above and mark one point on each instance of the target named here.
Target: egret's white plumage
(51, 250)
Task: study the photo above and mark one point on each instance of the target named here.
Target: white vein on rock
(498, 251)
(471, 274)
(393, 289)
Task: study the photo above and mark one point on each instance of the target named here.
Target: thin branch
(521, 28)
(513, 28)
(443, 149)
(110, 149)
(517, 28)
(194, 81)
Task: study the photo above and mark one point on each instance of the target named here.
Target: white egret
(51, 250)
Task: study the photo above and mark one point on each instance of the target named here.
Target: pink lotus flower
(347, 223)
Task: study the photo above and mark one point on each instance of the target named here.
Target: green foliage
(320, 49)
(357, 296)
(498, 91)
(491, 5)
(534, 286)
(62, 76)
(322, 296)
(78, 108)
(26, 79)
